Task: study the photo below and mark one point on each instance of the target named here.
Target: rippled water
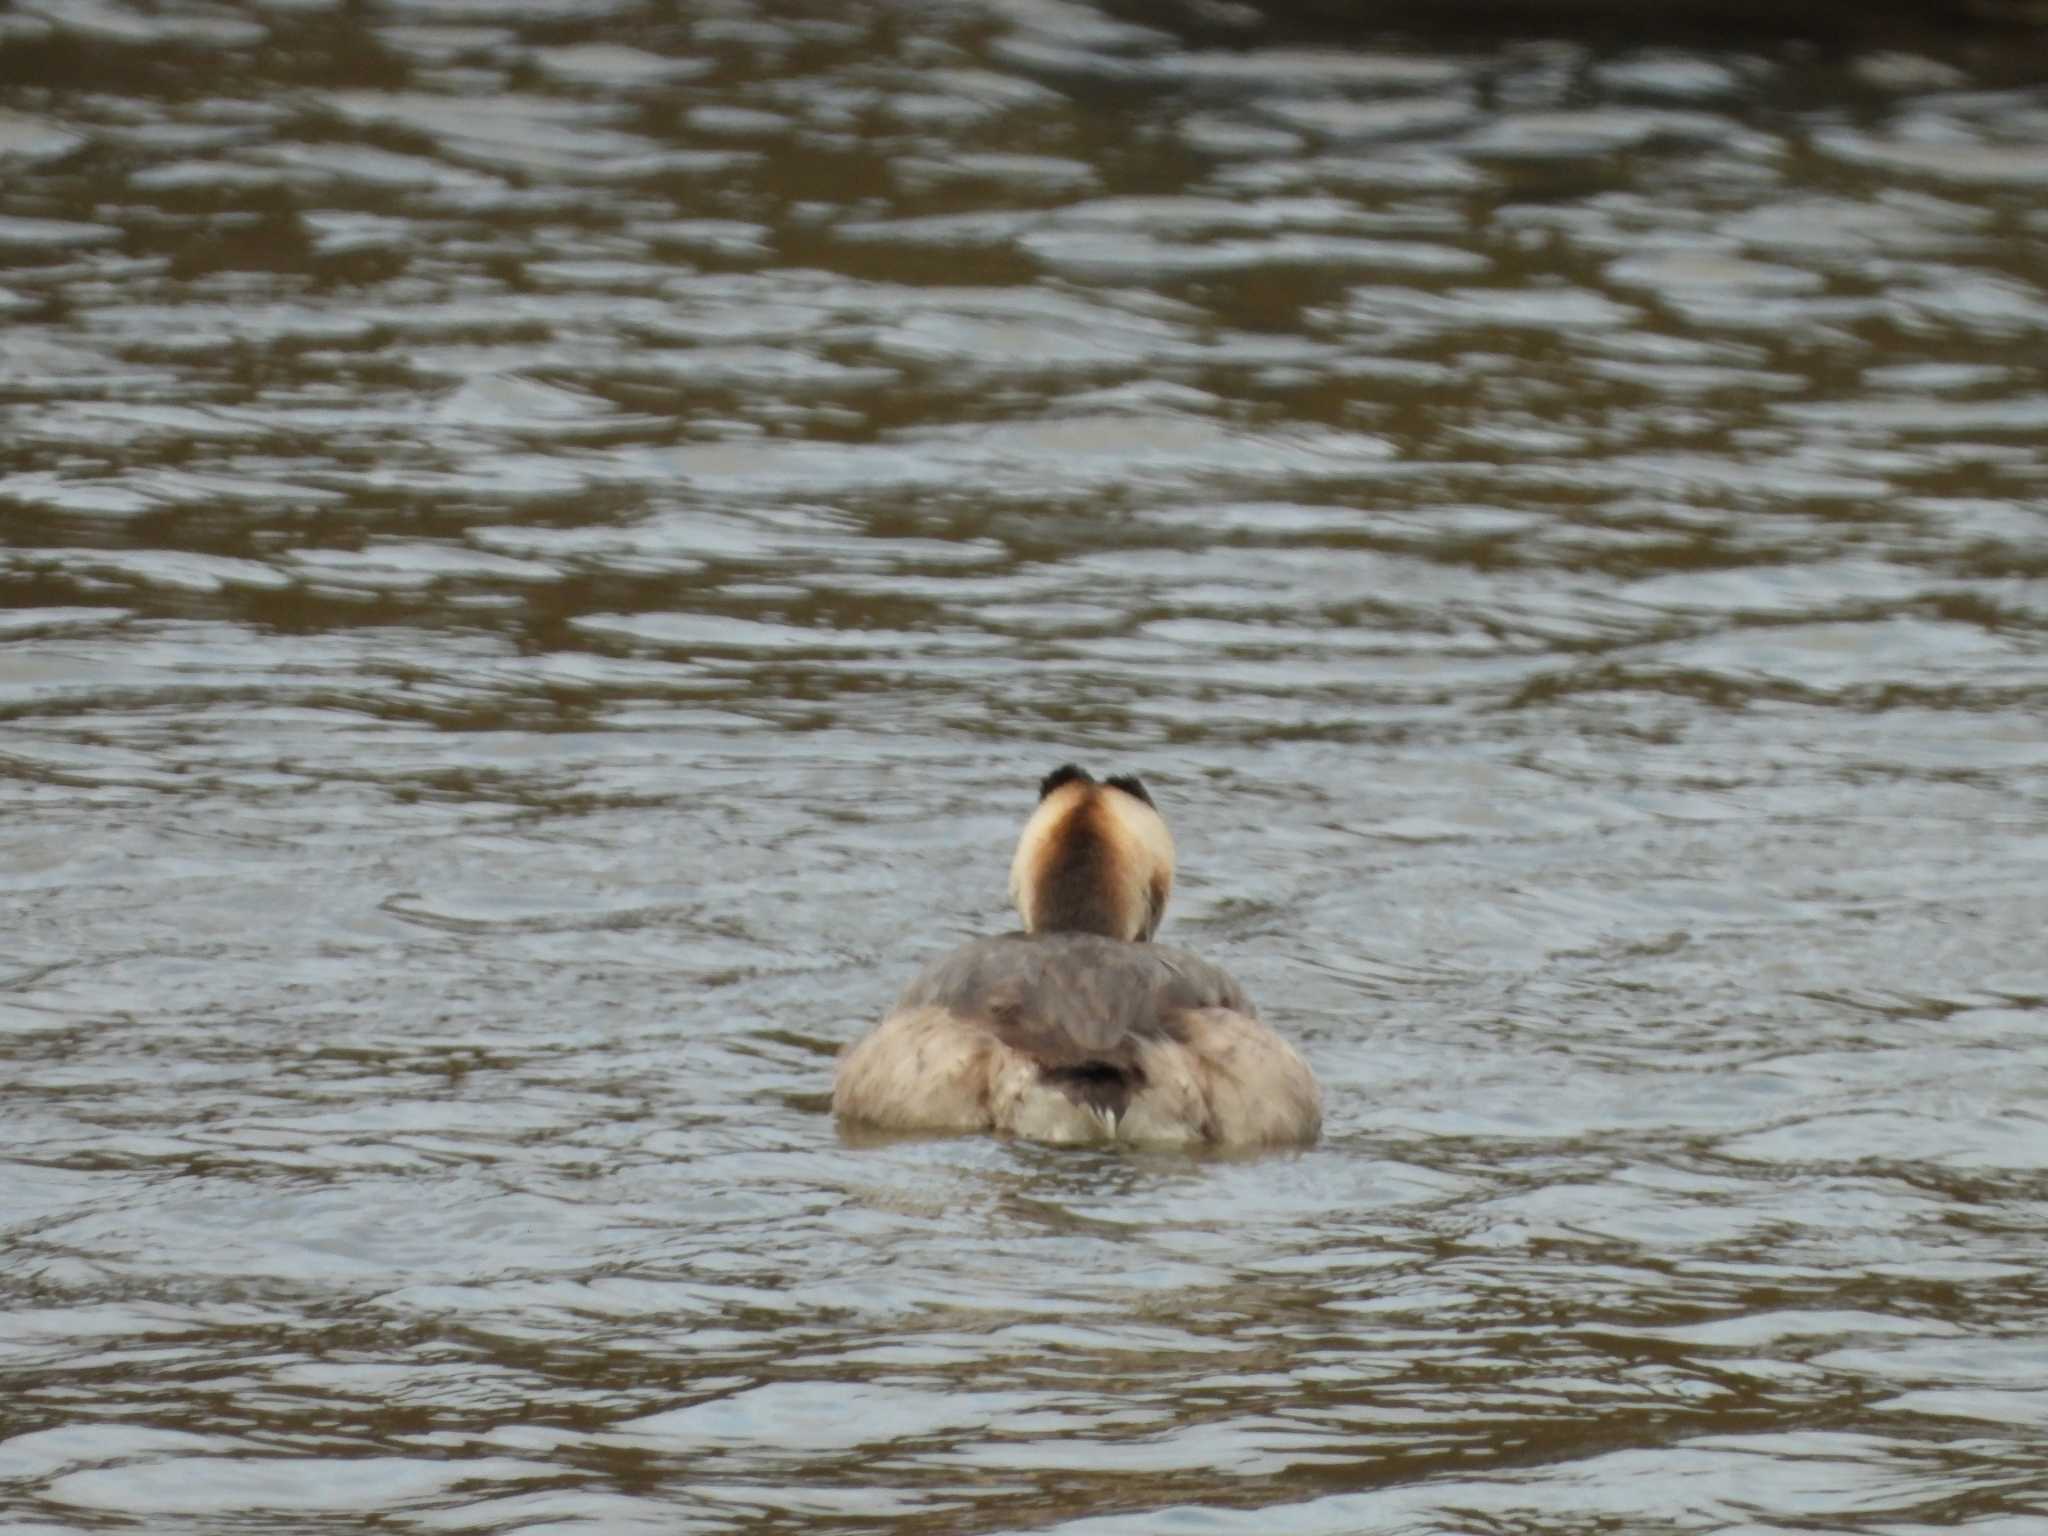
(543, 548)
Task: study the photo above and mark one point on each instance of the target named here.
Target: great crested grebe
(1080, 1028)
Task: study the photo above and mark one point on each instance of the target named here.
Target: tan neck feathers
(1093, 859)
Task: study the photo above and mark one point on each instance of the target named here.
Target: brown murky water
(543, 547)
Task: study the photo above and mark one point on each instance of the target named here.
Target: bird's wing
(1066, 999)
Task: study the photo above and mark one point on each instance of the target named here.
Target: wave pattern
(542, 549)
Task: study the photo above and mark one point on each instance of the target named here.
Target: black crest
(1066, 773)
(1130, 785)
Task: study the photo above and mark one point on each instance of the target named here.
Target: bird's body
(1080, 1028)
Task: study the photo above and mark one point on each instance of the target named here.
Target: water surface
(544, 547)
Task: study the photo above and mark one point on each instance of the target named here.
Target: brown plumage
(1093, 858)
(1080, 1029)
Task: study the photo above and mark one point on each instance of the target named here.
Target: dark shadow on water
(2005, 32)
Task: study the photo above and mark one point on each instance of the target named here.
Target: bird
(1080, 1028)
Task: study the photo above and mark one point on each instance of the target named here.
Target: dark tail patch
(1066, 773)
(1101, 1085)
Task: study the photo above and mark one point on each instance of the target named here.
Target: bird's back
(1067, 998)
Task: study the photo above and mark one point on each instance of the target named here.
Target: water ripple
(543, 549)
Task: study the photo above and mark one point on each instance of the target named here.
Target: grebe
(1080, 1028)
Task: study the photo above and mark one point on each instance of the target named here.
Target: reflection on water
(543, 548)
